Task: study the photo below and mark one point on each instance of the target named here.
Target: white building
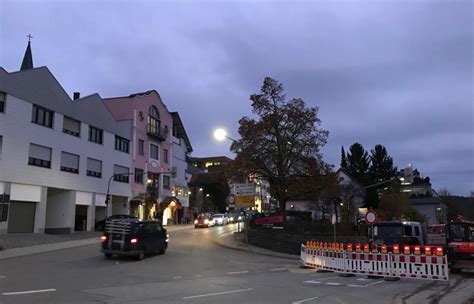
(57, 155)
(180, 178)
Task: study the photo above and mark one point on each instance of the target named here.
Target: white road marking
(278, 269)
(27, 292)
(217, 293)
(362, 279)
(198, 276)
(305, 300)
(329, 278)
(313, 282)
(175, 278)
(355, 285)
(2, 277)
(374, 283)
(333, 284)
(238, 272)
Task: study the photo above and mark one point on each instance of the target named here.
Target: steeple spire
(28, 58)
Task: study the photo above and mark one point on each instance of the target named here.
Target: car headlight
(239, 218)
(196, 221)
(206, 221)
(167, 237)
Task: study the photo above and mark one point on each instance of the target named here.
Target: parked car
(220, 219)
(132, 237)
(100, 225)
(203, 221)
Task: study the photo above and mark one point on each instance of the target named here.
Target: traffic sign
(370, 217)
(244, 189)
(245, 201)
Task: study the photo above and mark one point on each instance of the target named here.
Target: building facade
(57, 156)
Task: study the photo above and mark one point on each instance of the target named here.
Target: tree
(381, 165)
(453, 207)
(358, 163)
(396, 206)
(343, 158)
(277, 143)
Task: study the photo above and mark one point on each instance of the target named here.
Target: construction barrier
(413, 262)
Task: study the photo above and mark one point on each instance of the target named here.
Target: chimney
(77, 95)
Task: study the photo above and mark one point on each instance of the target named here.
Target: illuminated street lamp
(220, 134)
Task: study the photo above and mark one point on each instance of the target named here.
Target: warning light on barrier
(439, 250)
(406, 249)
(374, 249)
(333, 247)
(384, 248)
(366, 248)
(337, 247)
(357, 247)
(427, 250)
(349, 247)
(341, 246)
(417, 250)
(396, 249)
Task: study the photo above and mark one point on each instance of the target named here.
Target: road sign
(370, 217)
(244, 189)
(245, 201)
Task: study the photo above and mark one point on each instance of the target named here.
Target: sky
(395, 73)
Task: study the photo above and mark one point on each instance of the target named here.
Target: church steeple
(28, 58)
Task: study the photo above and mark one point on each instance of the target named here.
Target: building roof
(39, 86)
(224, 159)
(27, 59)
(179, 126)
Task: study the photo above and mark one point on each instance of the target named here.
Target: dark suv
(133, 237)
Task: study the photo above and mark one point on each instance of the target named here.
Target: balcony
(157, 132)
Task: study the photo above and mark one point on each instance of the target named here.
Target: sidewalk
(21, 244)
(235, 240)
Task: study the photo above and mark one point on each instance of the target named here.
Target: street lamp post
(109, 196)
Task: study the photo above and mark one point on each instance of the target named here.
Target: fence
(431, 264)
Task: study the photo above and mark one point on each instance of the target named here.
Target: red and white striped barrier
(411, 263)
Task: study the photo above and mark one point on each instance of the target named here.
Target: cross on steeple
(29, 37)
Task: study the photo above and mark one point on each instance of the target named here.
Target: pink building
(151, 150)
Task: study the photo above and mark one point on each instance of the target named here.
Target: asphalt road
(196, 270)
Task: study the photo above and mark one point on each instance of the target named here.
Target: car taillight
(103, 238)
(134, 241)
(196, 221)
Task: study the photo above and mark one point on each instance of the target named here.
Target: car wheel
(108, 255)
(141, 254)
(163, 250)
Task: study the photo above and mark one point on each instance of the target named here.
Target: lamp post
(220, 134)
(108, 198)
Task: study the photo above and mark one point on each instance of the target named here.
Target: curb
(253, 249)
(30, 250)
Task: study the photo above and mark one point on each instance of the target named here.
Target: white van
(410, 233)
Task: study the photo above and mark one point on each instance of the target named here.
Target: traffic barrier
(411, 263)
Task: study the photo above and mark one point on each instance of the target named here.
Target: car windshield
(388, 230)
(218, 216)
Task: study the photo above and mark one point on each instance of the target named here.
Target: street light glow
(220, 134)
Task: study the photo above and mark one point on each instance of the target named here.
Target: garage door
(21, 218)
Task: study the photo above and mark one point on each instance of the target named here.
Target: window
(417, 231)
(3, 98)
(165, 155)
(141, 147)
(154, 120)
(94, 168)
(166, 182)
(42, 116)
(154, 151)
(69, 162)
(71, 126)
(122, 144)
(39, 156)
(121, 174)
(4, 203)
(138, 176)
(1, 141)
(95, 135)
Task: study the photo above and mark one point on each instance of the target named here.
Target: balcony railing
(157, 132)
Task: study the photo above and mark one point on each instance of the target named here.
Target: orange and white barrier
(414, 262)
